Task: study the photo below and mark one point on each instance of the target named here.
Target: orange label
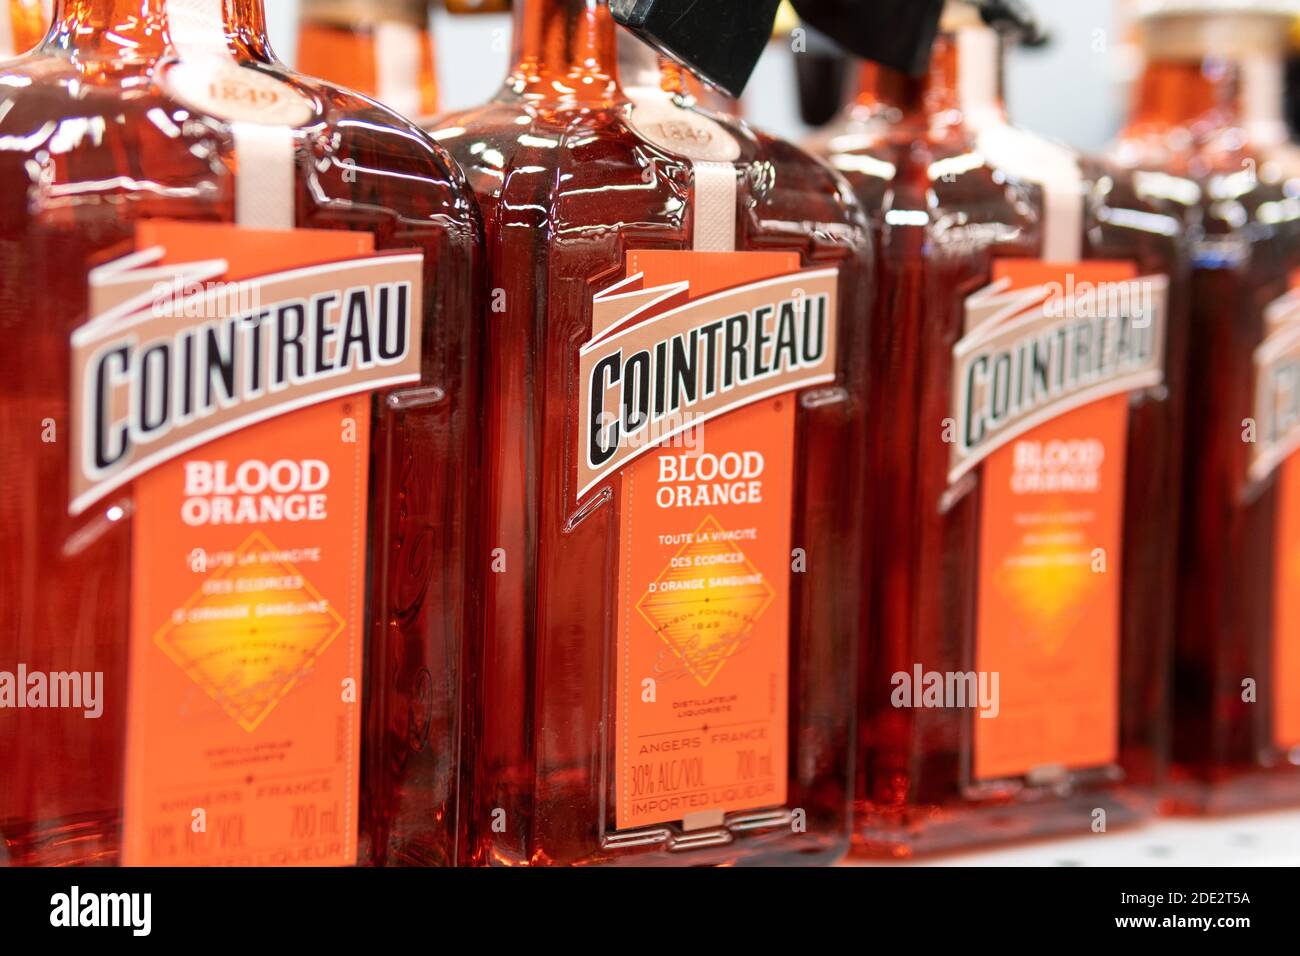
(1286, 627)
(1274, 457)
(704, 596)
(1277, 418)
(248, 573)
(1048, 618)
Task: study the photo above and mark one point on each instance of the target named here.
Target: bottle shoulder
(910, 174)
(635, 161)
(128, 131)
(1223, 186)
(989, 181)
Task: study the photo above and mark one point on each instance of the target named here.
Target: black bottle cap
(896, 33)
(822, 71)
(1013, 18)
(720, 40)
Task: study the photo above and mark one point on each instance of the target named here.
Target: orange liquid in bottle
(131, 157)
(984, 562)
(1208, 110)
(572, 761)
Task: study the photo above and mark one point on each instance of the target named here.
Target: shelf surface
(1262, 839)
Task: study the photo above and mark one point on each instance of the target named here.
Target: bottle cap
(1014, 19)
(1230, 29)
(720, 40)
(895, 33)
(822, 72)
(1148, 9)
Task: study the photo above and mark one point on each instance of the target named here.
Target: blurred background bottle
(972, 569)
(22, 24)
(382, 48)
(1208, 113)
(1089, 49)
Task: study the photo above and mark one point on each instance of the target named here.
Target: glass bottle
(1208, 108)
(1019, 600)
(382, 48)
(582, 194)
(237, 632)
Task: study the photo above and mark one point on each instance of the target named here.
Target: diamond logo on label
(1048, 582)
(705, 603)
(251, 632)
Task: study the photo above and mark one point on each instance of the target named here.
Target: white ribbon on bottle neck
(265, 173)
(398, 52)
(716, 193)
(1262, 93)
(1054, 168)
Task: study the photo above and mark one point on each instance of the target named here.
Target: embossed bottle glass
(117, 155)
(1208, 110)
(633, 706)
(382, 48)
(1025, 520)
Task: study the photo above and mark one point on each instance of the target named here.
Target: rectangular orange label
(1274, 457)
(1048, 613)
(704, 597)
(248, 604)
(1286, 607)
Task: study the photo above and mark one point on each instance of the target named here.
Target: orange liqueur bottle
(1024, 448)
(673, 441)
(1208, 109)
(235, 414)
(382, 48)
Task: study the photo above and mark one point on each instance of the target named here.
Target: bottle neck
(139, 30)
(1211, 75)
(366, 13)
(565, 51)
(962, 85)
(1213, 94)
(1183, 92)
